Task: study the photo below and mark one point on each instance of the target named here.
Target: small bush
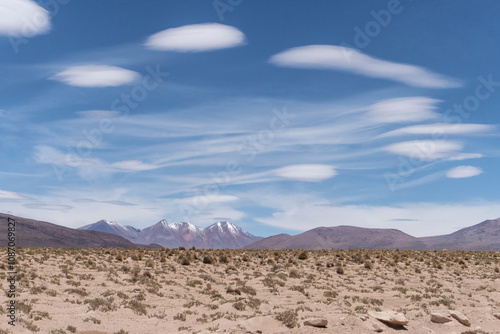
(303, 256)
(208, 260)
(289, 318)
(240, 306)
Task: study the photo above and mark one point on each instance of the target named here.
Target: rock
(316, 323)
(364, 317)
(439, 318)
(390, 317)
(377, 328)
(476, 331)
(497, 315)
(461, 318)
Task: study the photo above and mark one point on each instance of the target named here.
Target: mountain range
(39, 234)
(482, 236)
(33, 233)
(172, 235)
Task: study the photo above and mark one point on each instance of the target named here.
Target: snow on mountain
(103, 225)
(219, 235)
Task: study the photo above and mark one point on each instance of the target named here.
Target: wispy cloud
(11, 196)
(306, 172)
(442, 129)
(23, 18)
(89, 200)
(48, 206)
(96, 76)
(98, 113)
(333, 57)
(403, 109)
(207, 199)
(133, 165)
(196, 38)
(463, 172)
(299, 211)
(464, 156)
(426, 150)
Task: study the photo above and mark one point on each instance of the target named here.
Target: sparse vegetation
(289, 285)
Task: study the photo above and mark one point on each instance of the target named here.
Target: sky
(279, 116)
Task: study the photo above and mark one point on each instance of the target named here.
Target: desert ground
(241, 291)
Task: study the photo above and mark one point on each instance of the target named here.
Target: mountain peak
(222, 234)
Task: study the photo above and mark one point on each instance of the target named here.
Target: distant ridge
(482, 236)
(34, 233)
(340, 237)
(219, 235)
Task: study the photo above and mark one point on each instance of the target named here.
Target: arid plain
(251, 291)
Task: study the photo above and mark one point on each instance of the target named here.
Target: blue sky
(278, 116)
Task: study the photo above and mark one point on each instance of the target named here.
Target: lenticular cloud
(23, 18)
(334, 57)
(196, 38)
(96, 76)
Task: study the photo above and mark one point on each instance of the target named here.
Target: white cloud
(96, 76)
(442, 129)
(206, 199)
(196, 38)
(426, 150)
(11, 196)
(48, 206)
(333, 57)
(133, 165)
(464, 156)
(463, 172)
(306, 172)
(49, 155)
(23, 18)
(98, 113)
(302, 212)
(403, 109)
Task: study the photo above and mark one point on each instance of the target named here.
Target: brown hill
(341, 237)
(34, 233)
(482, 236)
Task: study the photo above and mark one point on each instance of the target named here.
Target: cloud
(23, 18)
(51, 207)
(333, 57)
(98, 113)
(49, 155)
(196, 38)
(430, 218)
(133, 165)
(464, 156)
(96, 76)
(403, 109)
(442, 129)
(11, 196)
(463, 172)
(89, 200)
(196, 200)
(426, 150)
(307, 173)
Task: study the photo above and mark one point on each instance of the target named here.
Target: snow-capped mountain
(171, 235)
(227, 235)
(128, 232)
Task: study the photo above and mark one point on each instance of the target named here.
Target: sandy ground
(236, 291)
